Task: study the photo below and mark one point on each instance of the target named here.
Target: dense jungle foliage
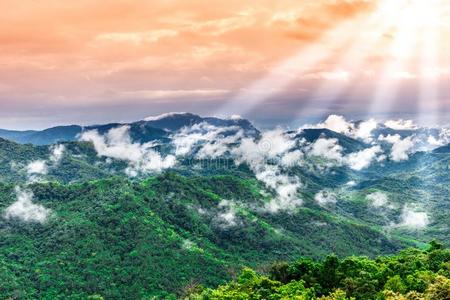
(157, 237)
(410, 274)
(187, 231)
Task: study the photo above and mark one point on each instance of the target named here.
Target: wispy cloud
(117, 144)
(137, 37)
(24, 208)
(172, 94)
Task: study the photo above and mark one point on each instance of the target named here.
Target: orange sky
(63, 57)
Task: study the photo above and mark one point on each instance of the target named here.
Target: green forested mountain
(153, 128)
(125, 239)
(146, 211)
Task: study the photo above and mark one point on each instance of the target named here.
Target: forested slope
(410, 274)
(136, 239)
(156, 207)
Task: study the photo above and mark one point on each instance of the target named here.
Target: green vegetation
(411, 274)
(157, 237)
(198, 226)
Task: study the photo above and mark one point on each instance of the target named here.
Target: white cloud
(285, 186)
(227, 217)
(401, 148)
(365, 129)
(337, 124)
(57, 153)
(236, 117)
(339, 75)
(172, 94)
(291, 159)
(351, 183)
(403, 75)
(324, 198)
(37, 167)
(362, 159)
(413, 218)
(274, 143)
(441, 140)
(116, 143)
(392, 139)
(163, 116)
(378, 199)
(211, 140)
(219, 145)
(327, 148)
(434, 142)
(331, 150)
(186, 139)
(25, 209)
(263, 157)
(137, 37)
(401, 124)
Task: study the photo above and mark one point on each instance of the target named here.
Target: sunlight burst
(407, 30)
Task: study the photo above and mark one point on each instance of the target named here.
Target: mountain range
(148, 208)
(145, 130)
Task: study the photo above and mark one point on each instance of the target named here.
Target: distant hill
(44, 137)
(349, 144)
(443, 149)
(149, 129)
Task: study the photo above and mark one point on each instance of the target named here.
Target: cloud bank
(378, 199)
(325, 198)
(117, 144)
(413, 218)
(25, 210)
(271, 155)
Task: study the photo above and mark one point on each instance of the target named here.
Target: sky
(272, 61)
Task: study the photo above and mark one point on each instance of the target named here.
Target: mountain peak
(147, 129)
(236, 117)
(168, 115)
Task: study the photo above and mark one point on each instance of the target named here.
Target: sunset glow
(225, 149)
(77, 60)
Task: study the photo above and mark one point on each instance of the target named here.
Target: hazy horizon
(259, 122)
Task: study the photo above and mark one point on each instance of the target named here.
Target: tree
(336, 295)
(395, 284)
(329, 276)
(439, 290)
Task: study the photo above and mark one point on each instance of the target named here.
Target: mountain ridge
(160, 125)
(230, 200)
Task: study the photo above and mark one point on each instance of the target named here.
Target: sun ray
(394, 71)
(372, 31)
(290, 69)
(398, 20)
(428, 101)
